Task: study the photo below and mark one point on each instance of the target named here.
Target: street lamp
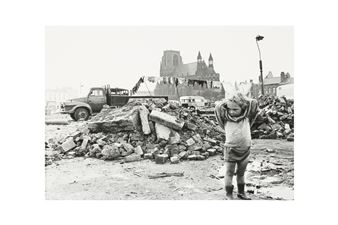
(259, 38)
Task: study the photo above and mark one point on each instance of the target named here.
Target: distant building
(173, 66)
(271, 84)
(60, 94)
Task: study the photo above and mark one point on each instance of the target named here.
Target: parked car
(193, 102)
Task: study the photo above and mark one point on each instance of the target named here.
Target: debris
(132, 158)
(165, 174)
(138, 150)
(183, 155)
(190, 142)
(144, 112)
(148, 156)
(174, 137)
(162, 131)
(57, 122)
(166, 119)
(174, 159)
(68, 145)
(211, 151)
(161, 158)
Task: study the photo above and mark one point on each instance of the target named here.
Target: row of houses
(272, 84)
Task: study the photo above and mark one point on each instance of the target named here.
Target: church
(173, 66)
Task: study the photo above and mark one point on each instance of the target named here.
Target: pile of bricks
(152, 130)
(276, 119)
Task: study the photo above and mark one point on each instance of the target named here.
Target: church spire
(210, 58)
(211, 61)
(199, 57)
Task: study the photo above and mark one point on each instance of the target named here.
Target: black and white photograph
(169, 113)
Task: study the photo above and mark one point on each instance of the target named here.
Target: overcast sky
(95, 56)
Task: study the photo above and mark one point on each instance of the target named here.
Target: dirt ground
(270, 175)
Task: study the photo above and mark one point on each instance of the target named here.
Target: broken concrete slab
(144, 113)
(116, 120)
(166, 119)
(174, 137)
(162, 132)
(69, 144)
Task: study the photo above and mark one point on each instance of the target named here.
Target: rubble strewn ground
(165, 138)
(277, 119)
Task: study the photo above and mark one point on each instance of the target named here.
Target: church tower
(170, 61)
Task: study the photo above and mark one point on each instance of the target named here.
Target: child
(235, 115)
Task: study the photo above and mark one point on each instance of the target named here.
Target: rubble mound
(143, 130)
(276, 119)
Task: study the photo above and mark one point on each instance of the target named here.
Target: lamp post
(259, 38)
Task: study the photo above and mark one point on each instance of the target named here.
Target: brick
(132, 158)
(200, 157)
(181, 148)
(183, 155)
(174, 159)
(211, 151)
(148, 156)
(197, 138)
(192, 157)
(128, 147)
(85, 141)
(68, 145)
(138, 150)
(101, 142)
(211, 141)
(171, 150)
(191, 126)
(205, 154)
(161, 158)
(190, 141)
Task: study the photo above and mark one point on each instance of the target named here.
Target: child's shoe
(241, 193)
(229, 190)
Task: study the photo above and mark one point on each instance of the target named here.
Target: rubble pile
(276, 119)
(155, 130)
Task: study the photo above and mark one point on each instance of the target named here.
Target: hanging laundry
(152, 79)
(181, 80)
(191, 82)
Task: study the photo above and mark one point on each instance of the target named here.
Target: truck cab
(82, 108)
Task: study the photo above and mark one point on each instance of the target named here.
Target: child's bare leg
(230, 170)
(241, 168)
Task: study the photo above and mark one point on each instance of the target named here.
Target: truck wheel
(72, 116)
(81, 114)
